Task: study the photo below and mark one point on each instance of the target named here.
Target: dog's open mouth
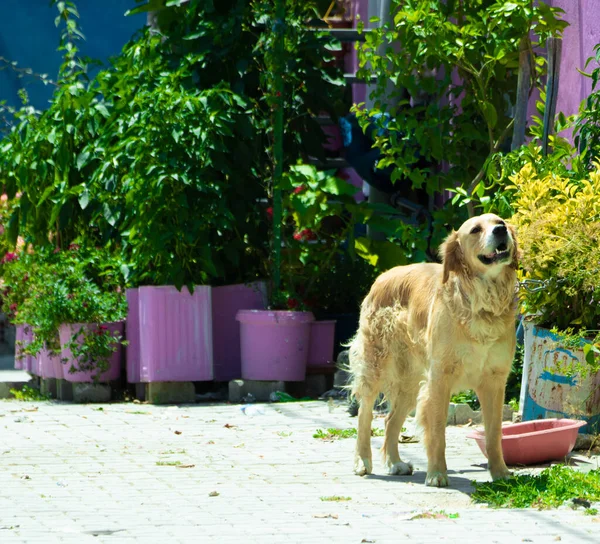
(501, 253)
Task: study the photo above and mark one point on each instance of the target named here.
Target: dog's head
(483, 245)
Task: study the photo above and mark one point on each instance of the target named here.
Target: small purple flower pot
(169, 334)
(67, 331)
(274, 344)
(320, 351)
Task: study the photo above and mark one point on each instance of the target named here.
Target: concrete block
(260, 390)
(64, 390)
(49, 386)
(170, 393)
(91, 392)
(460, 414)
(507, 413)
(316, 385)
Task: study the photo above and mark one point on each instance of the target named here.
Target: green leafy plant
(558, 220)
(336, 498)
(47, 288)
(29, 394)
(466, 397)
(549, 489)
(587, 123)
(320, 219)
(447, 110)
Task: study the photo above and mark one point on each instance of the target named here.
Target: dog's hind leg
(401, 403)
(363, 458)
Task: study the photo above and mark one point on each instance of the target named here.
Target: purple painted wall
(579, 39)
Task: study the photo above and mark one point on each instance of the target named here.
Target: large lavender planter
(274, 344)
(23, 337)
(66, 333)
(320, 351)
(169, 334)
(226, 302)
(50, 365)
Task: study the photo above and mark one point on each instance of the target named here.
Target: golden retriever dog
(430, 330)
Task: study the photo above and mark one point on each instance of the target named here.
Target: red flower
(299, 189)
(13, 307)
(304, 235)
(57, 250)
(9, 257)
(292, 303)
(74, 247)
(269, 212)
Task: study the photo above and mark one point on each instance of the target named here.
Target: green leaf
(363, 250)
(84, 199)
(82, 159)
(111, 216)
(490, 114)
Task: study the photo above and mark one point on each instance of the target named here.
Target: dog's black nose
(500, 231)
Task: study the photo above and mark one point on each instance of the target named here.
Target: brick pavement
(108, 473)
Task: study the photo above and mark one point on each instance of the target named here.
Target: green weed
(337, 434)
(29, 394)
(549, 489)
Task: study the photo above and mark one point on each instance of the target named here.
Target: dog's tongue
(490, 255)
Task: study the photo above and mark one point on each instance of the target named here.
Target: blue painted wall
(28, 36)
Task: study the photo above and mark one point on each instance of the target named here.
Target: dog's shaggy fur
(429, 330)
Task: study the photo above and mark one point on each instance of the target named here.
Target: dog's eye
(475, 230)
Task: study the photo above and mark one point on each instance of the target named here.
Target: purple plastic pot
(169, 334)
(274, 344)
(23, 334)
(50, 365)
(226, 302)
(66, 332)
(320, 351)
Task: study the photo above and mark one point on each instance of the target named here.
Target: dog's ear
(516, 252)
(452, 256)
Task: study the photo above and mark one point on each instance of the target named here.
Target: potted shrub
(558, 219)
(74, 303)
(319, 221)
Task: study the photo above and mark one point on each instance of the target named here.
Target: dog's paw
(503, 474)
(437, 479)
(363, 466)
(400, 468)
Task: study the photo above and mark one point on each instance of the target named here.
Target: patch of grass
(284, 434)
(336, 498)
(337, 434)
(172, 452)
(29, 394)
(549, 489)
(139, 412)
(590, 511)
(168, 463)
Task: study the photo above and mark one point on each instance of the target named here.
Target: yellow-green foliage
(558, 222)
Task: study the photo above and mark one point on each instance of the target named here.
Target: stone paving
(216, 473)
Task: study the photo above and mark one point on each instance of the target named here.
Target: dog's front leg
(491, 397)
(432, 413)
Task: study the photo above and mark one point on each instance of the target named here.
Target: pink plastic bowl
(534, 442)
